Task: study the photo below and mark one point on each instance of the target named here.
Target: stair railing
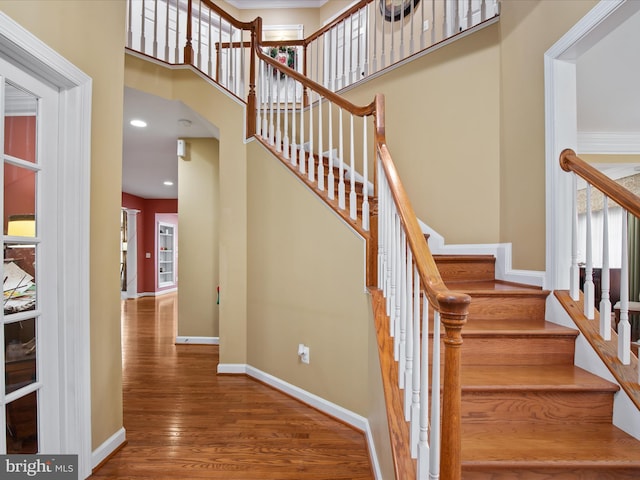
(325, 139)
(198, 33)
(372, 35)
(630, 204)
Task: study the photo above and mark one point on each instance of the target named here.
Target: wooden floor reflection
(185, 422)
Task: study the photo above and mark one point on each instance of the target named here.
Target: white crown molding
(260, 4)
(609, 142)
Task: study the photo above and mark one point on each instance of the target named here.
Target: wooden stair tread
(531, 377)
(524, 327)
(489, 287)
(441, 257)
(512, 445)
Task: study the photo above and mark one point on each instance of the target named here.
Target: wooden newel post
(251, 98)
(188, 48)
(451, 443)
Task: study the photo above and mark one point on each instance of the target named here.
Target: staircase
(527, 411)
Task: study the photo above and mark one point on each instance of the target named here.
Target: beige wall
(443, 126)
(306, 285)
(198, 224)
(228, 115)
(91, 35)
(528, 28)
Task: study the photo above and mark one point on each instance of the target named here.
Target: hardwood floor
(184, 421)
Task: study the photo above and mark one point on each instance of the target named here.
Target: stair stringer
(625, 414)
(501, 251)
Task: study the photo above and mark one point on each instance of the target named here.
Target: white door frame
(561, 127)
(24, 50)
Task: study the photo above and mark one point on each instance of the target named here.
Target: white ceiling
(149, 154)
(608, 85)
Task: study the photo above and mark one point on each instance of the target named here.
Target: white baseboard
(501, 251)
(158, 293)
(108, 447)
(198, 340)
(357, 421)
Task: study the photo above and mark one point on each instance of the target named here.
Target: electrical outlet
(303, 353)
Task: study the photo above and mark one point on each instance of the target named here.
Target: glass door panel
(21, 309)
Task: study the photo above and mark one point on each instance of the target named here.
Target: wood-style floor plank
(184, 421)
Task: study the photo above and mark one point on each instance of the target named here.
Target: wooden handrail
(453, 306)
(233, 21)
(570, 162)
(336, 21)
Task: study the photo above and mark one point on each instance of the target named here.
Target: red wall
(146, 226)
(19, 183)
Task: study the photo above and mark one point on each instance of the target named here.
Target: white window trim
(24, 49)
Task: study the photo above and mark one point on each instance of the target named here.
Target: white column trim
(25, 50)
(132, 252)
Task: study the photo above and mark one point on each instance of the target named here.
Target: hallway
(184, 421)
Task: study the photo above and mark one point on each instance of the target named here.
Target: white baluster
(265, 100)
(219, 66)
(199, 62)
(381, 214)
(210, 59)
(330, 177)
(285, 139)
(271, 124)
(434, 438)
(605, 302)
(469, 14)
(401, 28)
(130, 24)
(383, 57)
(392, 56)
(588, 288)
(259, 94)
(483, 11)
(408, 370)
(391, 257)
(278, 125)
(375, 38)
(311, 170)
(352, 193)
(417, 368)
(433, 24)
(397, 266)
(320, 147)
(142, 29)
(341, 192)
(348, 41)
(402, 281)
(412, 17)
(574, 287)
(166, 33)
(357, 67)
(294, 108)
(365, 71)
(624, 327)
(177, 60)
(365, 174)
(302, 160)
(423, 439)
(241, 80)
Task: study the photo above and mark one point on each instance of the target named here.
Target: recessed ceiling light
(168, 183)
(138, 123)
